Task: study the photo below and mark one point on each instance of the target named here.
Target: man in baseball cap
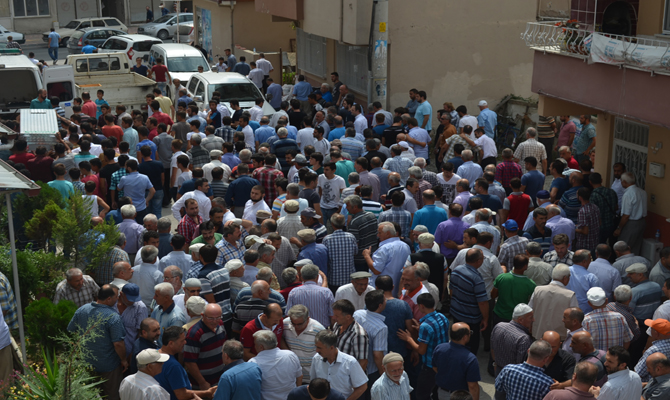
(142, 385)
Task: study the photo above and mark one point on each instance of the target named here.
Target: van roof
(177, 48)
(134, 37)
(222, 77)
(18, 61)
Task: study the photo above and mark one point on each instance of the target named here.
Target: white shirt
(250, 209)
(344, 375)
(348, 292)
(618, 188)
(276, 116)
(141, 386)
(256, 113)
(634, 203)
(280, 369)
(264, 65)
(221, 67)
(360, 123)
(322, 146)
(202, 135)
(305, 137)
(95, 150)
(487, 145)
(204, 204)
(256, 75)
(468, 120)
(179, 303)
(249, 138)
(331, 190)
(207, 170)
(622, 385)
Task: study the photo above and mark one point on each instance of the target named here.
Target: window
(666, 18)
(98, 22)
(82, 65)
(236, 91)
(143, 46)
(631, 141)
(85, 24)
(191, 85)
(185, 18)
(114, 44)
(200, 91)
(114, 64)
(31, 8)
(98, 35)
(352, 65)
(312, 53)
(112, 22)
(62, 90)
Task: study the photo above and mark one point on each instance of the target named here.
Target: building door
(631, 140)
(87, 8)
(66, 11)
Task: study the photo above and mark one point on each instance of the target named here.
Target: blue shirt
(189, 186)
(203, 122)
(173, 376)
(88, 49)
(264, 133)
(434, 330)
(111, 330)
(467, 291)
(327, 97)
(276, 91)
(389, 259)
(411, 107)
(318, 253)
(241, 382)
(383, 175)
(421, 135)
(570, 203)
(583, 141)
(301, 90)
(302, 393)
(534, 182)
(55, 39)
(336, 133)
(141, 70)
(135, 185)
(396, 313)
(471, 171)
(241, 188)
(147, 142)
(242, 68)
(422, 110)
(646, 299)
(488, 120)
(581, 281)
(378, 130)
(430, 216)
(562, 184)
(172, 316)
(456, 366)
(456, 161)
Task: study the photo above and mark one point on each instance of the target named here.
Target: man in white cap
(195, 306)
(142, 385)
(236, 272)
(192, 287)
(215, 156)
(487, 119)
(510, 341)
(607, 328)
(322, 281)
(394, 383)
(356, 290)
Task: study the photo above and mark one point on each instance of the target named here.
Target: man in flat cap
(394, 383)
(356, 290)
(316, 252)
(236, 272)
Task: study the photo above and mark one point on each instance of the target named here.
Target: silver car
(164, 27)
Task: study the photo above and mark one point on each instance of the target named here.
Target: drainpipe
(378, 53)
(232, 27)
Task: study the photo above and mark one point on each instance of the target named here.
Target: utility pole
(378, 53)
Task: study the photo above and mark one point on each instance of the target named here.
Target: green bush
(45, 321)
(26, 206)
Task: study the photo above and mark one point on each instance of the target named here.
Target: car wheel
(63, 41)
(163, 35)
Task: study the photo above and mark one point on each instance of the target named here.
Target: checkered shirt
(13, 45)
(589, 215)
(79, 297)
(400, 216)
(79, 187)
(400, 165)
(116, 178)
(267, 176)
(453, 140)
(364, 228)
(506, 171)
(199, 156)
(430, 177)
(103, 274)
(552, 258)
(659, 346)
(418, 196)
(194, 271)
(510, 342)
(342, 247)
(226, 133)
(8, 302)
(530, 148)
(353, 341)
(628, 315)
(607, 202)
(608, 328)
(512, 246)
(187, 227)
(434, 330)
(523, 381)
(289, 226)
(229, 252)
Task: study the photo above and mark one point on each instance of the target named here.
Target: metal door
(631, 140)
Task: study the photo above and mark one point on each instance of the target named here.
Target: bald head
(554, 340)
(658, 364)
(260, 289)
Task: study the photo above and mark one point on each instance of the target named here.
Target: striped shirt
(204, 348)
(434, 330)
(364, 228)
(377, 331)
(246, 311)
(220, 284)
(303, 345)
(318, 300)
(467, 290)
(510, 342)
(512, 246)
(342, 247)
(353, 340)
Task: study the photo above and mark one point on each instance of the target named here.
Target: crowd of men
(316, 257)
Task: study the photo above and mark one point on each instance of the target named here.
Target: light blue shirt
(55, 39)
(336, 133)
(385, 388)
(488, 120)
(301, 90)
(411, 106)
(377, 331)
(389, 259)
(276, 91)
(135, 185)
(88, 49)
(581, 281)
(130, 136)
(400, 165)
(484, 226)
(383, 175)
(264, 133)
(421, 111)
(172, 316)
(421, 135)
(178, 258)
(146, 276)
(203, 122)
(608, 276)
(430, 216)
(646, 299)
(352, 146)
(634, 203)
(558, 225)
(470, 171)
(529, 220)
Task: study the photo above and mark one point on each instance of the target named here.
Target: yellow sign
(382, 27)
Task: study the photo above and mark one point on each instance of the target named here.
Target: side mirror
(197, 98)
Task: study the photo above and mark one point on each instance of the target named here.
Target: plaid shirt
(659, 346)
(552, 258)
(364, 228)
(453, 140)
(8, 302)
(353, 341)
(187, 227)
(79, 297)
(400, 216)
(608, 328)
(607, 202)
(510, 342)
(530, 148)
(198, 156)
(628, 316)
(267, 176)
(506, 171)
(229, 252)
(116, 178)
(512, 246)
(430, 177)
(342, 248)
(13, 45)
(418, 196)
(589, 215)
(523, 381)
(434, 330)
(103, 274)
(226, 133)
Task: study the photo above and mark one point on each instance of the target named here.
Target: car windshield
(186, 64)
(163, 19)
(78, 34)
(235, 91)
(72, 25)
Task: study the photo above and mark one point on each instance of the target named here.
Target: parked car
(231, 86)
(95, 36)
(133, 45)
(17, 37)
(80, 23)
(164, 27)
(181, 60)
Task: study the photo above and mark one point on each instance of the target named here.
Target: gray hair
(395, 178)
(234, 349)
(531, 132)
(72, 272)
(128, 211)
(149, 254)
(354, 177)
(289, 275)
(564, 148)
(482, 214)
(293, 189)
(467, 155)
(309, 272)
(623, 293)
(256, 287)
(264, 274)
(118, 268)
(416, 172)
(165, 289)
(420, 162)
(266, 249)
(150, 218)
(245, 155)
(620, 246)
(327, 86)
(326, 337)
(422, 270)
(298, 311)
(354, 201)
(267, 339)
(534, 248)
(196, 139)
(176, 271)
(164, 224)
(388, 227)
(560, 271)
(337, 221)
(122, 239)
(539, 350)
(281, 132)
(628, 177)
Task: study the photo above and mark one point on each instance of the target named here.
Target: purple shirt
(451, 229)
(463, 198)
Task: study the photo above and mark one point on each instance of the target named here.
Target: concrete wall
(356, 22)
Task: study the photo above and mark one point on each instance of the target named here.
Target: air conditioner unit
(651, 250)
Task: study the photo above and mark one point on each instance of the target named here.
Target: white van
(230, 85)
(182, 61)
(21, 80)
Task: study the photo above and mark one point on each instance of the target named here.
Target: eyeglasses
(165, 278)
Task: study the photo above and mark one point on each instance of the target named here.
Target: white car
(133, 45)
(81, 23)
(230, 85)
(17, 37)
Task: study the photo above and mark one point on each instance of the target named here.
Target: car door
(84, 24)
(98, 23)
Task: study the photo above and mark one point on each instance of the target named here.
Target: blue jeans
(53, 53)
(156, 204)
(161, 86)
(326, 214)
